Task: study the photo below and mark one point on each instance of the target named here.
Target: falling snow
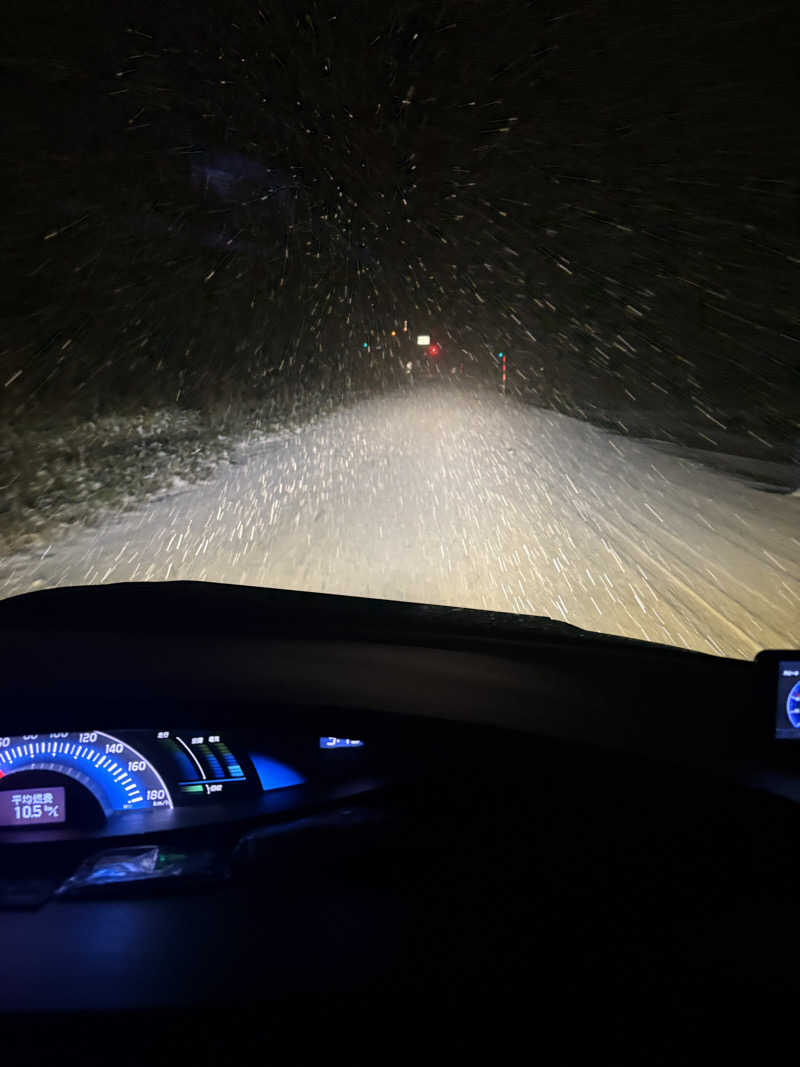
(459, 497)
(229, 212)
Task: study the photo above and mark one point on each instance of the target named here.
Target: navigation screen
(787, 723)
(32, 807)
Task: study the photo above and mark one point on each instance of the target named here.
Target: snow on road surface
(445, 496)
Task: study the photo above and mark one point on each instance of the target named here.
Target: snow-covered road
(464, 498)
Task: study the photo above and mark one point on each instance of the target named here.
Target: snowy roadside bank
(53, 479)
(763, 452)
(56, 477)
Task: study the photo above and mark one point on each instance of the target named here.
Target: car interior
(240, 822)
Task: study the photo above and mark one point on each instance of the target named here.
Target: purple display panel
(32, 806)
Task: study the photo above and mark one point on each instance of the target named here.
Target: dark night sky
(198, 193)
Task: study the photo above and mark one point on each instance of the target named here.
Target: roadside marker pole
(502, 357)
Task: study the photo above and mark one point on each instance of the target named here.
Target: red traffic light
(434, 350)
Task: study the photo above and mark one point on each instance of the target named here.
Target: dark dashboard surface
(195, 641)
(356, 805)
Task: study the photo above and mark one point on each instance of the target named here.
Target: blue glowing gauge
(793, 705)
(118, 776)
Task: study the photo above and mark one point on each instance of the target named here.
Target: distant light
(364, 345)
(434, 350)
(394, 333)
(499, 355)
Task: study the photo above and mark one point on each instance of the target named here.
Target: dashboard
(216, 798)
(65, 785)
(74, 784)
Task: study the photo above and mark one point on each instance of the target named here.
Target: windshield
(484, 304)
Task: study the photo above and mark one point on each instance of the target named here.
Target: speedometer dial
(118, 776)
